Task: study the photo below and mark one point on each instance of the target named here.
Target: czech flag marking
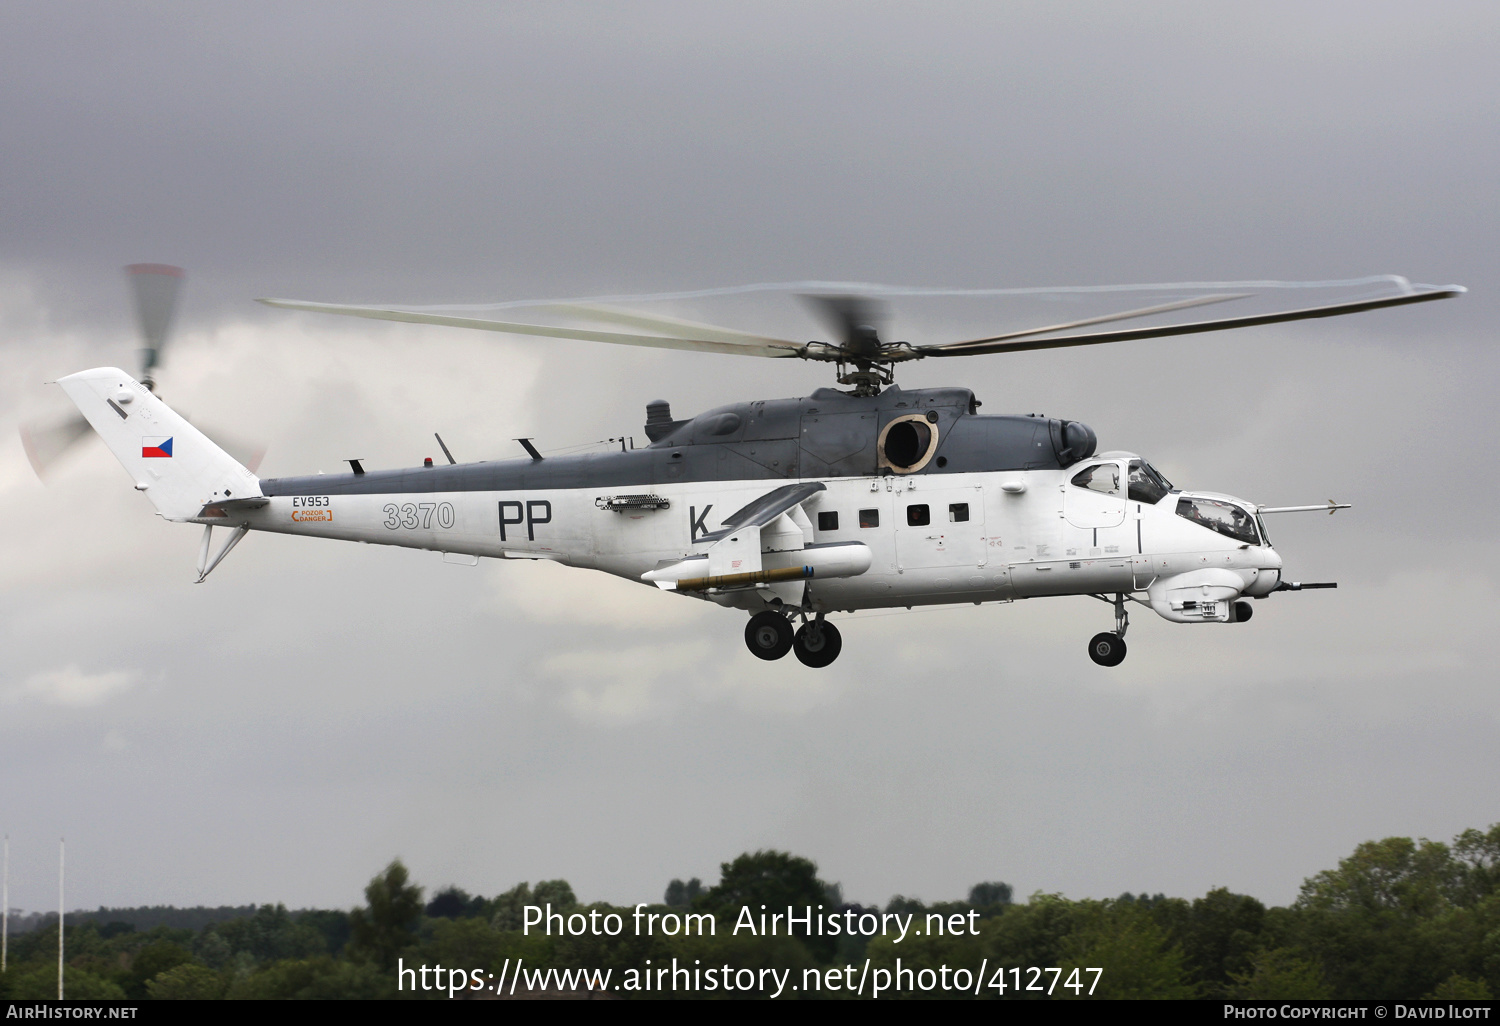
(158, 447)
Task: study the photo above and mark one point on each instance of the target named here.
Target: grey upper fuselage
(825, 435)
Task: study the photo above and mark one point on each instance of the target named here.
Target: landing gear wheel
(768, 635)
(817, 643)
(1107, 649)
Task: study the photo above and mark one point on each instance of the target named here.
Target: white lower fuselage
(1026, 534)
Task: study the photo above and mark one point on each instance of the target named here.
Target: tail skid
(205, 564)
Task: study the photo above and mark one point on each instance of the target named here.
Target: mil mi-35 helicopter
(851, 499)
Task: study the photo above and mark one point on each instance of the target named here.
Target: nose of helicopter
(1267, 575)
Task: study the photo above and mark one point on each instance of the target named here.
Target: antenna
(60, 918)
(5, 908)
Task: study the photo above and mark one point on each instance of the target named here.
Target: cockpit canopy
(1144, 482)
(1220, 516)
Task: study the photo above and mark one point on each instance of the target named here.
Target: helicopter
(791, 510)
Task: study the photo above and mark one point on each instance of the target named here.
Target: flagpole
(60, 841)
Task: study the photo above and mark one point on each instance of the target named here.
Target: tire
(1243, 611)
(768, 635)
(1107, 649)
(817, 648)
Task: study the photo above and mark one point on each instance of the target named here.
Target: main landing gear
(1108, 648)
(817, 642)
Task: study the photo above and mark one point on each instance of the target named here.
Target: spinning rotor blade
(44, 443)
(1145, 311)
(752, 346)
(856, 320)
(155, 287)
(1010, 343)
(673, 326)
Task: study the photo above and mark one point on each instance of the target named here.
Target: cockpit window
(1146, 483)
(1101, 477)
(1223, 517)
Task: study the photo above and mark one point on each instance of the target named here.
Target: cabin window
(869, 518)
(958, 512)
(1222, 517)
(918, 515)
(828, 521)
(1101, 477)
(1146, 483)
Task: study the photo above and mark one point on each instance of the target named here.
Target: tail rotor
(154, 288)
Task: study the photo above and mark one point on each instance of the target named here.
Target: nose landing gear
(1108, 649)
(769, 635)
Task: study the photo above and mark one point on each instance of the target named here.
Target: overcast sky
(283, 730)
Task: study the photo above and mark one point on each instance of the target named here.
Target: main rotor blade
(46, 443)
(155, 287)
(673, 326)
(762, 348)
(1144, 311)
(980, 347)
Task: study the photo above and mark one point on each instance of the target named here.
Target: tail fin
(174, 463)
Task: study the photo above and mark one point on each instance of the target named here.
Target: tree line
(1397, 919)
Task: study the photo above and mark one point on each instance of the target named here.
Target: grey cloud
(313, 710)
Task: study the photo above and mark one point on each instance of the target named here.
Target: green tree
(1138, 957)
(990, 898)
(1219, 934)
(1280, 975)
(510, 907)
(682, 895)
(315, 978)
(388, 926)
(1478, 858)
(1381, 924)
(39, 982)
(1035, 933)
(776, 880)
(454, 903)
(331, 924)
(272, 934)
(1458, 988)
(186, 982)
(151, 961)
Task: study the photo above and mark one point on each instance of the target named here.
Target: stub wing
(766, 545)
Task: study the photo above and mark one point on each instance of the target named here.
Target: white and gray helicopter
(790, 509)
